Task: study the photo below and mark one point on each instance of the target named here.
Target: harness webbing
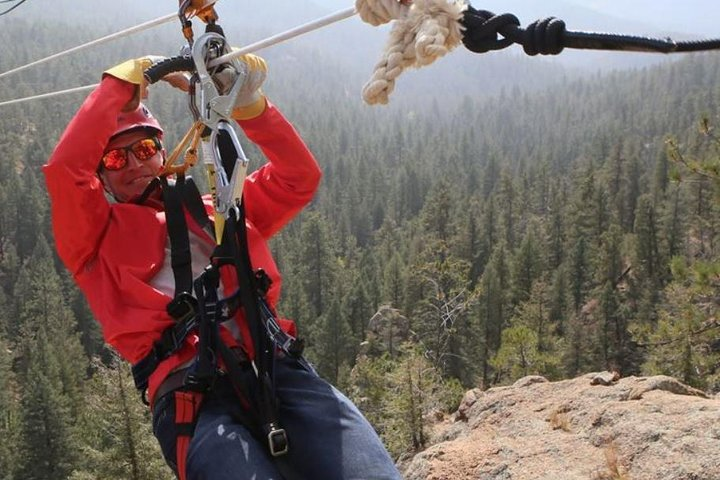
(187, 406)
(181, 260)
(251, 298)
(177, 196)
(204, 311)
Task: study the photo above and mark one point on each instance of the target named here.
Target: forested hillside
(458, 240)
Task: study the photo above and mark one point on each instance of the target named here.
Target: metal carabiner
(226, 193)
(210, 103)
(229, 193)
(223, 154)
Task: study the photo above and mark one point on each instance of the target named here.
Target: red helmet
(138, 118)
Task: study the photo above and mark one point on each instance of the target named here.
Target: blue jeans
(328, 436)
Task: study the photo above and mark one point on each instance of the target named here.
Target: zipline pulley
(202, 9)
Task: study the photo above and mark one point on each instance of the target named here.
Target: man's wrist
(250, 111)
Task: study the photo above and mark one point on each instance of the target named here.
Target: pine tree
(578, 271)
(527, 265)
(630, 192)
(558, 300)
(393, 281)
(29, 214)
(47, 446)
(506, 198)
(333, 345)
(441, 312)
(413, 391)
(614, 341)
(368, 387)
(556, 231)
(318, 265)
(9, 413)
(647, 252)
(493, 310)
(356, 309)
(42, 306)
(683, 342)
(116, 440)
(672, 223)
(530, 345)
(649, 266)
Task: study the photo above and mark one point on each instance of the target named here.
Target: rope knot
(482, 30)
(544, 37)
(423, 31)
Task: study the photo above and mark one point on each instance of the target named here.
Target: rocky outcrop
(386, 331)
(594, 427)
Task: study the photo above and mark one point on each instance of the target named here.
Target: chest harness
(197, 307)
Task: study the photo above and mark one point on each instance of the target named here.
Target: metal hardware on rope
(202, 9)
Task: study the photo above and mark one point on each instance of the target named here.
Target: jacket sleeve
(278, 190)
(79, 209)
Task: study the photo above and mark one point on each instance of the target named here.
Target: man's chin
(139, 195)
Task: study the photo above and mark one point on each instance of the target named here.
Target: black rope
(486, 31)
(13, 7)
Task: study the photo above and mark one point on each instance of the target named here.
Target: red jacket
(114, 250)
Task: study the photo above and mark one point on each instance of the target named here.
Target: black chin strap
(154, 184)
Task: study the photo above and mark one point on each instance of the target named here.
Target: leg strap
(187, 406)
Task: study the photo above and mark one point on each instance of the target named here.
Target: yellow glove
(132, 71)
(250, 101)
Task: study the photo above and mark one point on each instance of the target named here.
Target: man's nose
(132, 161)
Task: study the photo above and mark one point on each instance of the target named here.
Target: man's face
(129, 181)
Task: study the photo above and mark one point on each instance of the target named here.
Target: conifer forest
(562, 225)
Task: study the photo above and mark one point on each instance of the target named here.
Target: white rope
(423, 32)
(48, 95)
(107, 38)
(378, 12)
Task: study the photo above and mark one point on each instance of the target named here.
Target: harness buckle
(201, 382)
(182, 307)
(262, 281)
(277, 441)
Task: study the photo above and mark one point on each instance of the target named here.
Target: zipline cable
(270, 41)
(13, 7)
(286, 35)
(48, 95)
(485, 31)
(107, 38)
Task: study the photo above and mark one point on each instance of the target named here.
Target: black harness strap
(236, 245)
(193, 202)
(203, 312)
(177, 228)
(182, 193)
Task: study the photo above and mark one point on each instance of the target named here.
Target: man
(119, 255)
